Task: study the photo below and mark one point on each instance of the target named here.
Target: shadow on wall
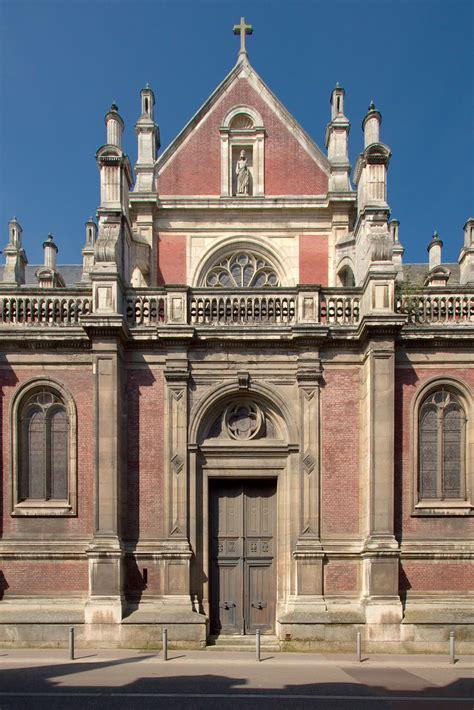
(135, 580)
(7, 379)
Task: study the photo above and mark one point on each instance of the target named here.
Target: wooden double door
(242, 549)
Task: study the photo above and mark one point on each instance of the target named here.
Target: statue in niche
(243, 175)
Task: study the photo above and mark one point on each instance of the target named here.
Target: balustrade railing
(437, 308)
(146, 310)
(43, 309)
(240, 309)
(339, 309)
(205, 307)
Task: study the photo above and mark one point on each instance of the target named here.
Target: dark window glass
(441, 446)
(43, 447)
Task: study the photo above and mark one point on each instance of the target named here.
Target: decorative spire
(243, 29)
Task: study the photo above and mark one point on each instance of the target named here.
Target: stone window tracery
(242, 421)
(44, 455)
(441, 446)
(242, 269)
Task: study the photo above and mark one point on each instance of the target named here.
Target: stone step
(242, 643)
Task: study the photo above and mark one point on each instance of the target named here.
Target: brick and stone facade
(214, 338)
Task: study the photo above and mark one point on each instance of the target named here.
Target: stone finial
(47, 275)
(147, 102)
(469, 233)
(371, 125)
(337, 101)
(434, 250)
(394, 225)
(115, 126)
(50, 252)
(91, 232)
(15, 257)
(466, 257)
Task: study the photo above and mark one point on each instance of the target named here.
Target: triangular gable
(294, 165)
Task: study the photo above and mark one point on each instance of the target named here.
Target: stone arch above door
(215, 418)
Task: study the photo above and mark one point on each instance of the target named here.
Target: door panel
(242, 583)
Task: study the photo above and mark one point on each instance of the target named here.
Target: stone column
(105, 553)
(308, 553)
(381, 550)
(177, 562)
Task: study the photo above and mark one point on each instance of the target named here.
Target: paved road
(112, 680)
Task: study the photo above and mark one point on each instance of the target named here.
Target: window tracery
(242, 421)
(43, 450)
(441, 447)
(242, 269)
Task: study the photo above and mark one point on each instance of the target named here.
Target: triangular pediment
(191, 164)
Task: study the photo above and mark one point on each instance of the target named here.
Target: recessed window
(442, 452)
(441, 446)
(44, 458)
(242, 270)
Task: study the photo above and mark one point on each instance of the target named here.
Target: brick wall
(408, 383)
(171, 254)
(79, 382)
(340, 451)
(144, 503)
(195, 168)
(340, 576)
(442, 576)
(313, 261)
(43, 577)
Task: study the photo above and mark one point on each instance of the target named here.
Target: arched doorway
(241, 464)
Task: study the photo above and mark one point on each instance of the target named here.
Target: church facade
(243, 411)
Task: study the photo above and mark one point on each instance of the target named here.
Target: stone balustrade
(44, 309)
(208, 308)
(146, 309)
(339, 308)
(437, 308)
(243, 309)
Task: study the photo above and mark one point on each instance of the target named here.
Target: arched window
(44, 452)
(242, 269)
(441, 446)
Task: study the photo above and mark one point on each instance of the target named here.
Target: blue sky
(63, 63)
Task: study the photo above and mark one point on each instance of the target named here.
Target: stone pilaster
(105, 552)
(177, 562)
(308, 553)
(381, 553)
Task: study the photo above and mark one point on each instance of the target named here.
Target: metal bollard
(359, 647)
(257, 645)
(165, 644)
(71, 643)
(452, 653)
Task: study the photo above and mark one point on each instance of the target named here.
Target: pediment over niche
(243, 421)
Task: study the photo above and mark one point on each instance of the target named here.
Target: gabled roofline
(303, 138)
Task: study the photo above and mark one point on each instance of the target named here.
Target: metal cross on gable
(242, 29)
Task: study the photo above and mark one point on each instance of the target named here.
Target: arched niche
(242, 130)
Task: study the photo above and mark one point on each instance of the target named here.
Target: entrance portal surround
(275, 457)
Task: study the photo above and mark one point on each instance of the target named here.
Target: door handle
(226, 605)
(259, 605)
